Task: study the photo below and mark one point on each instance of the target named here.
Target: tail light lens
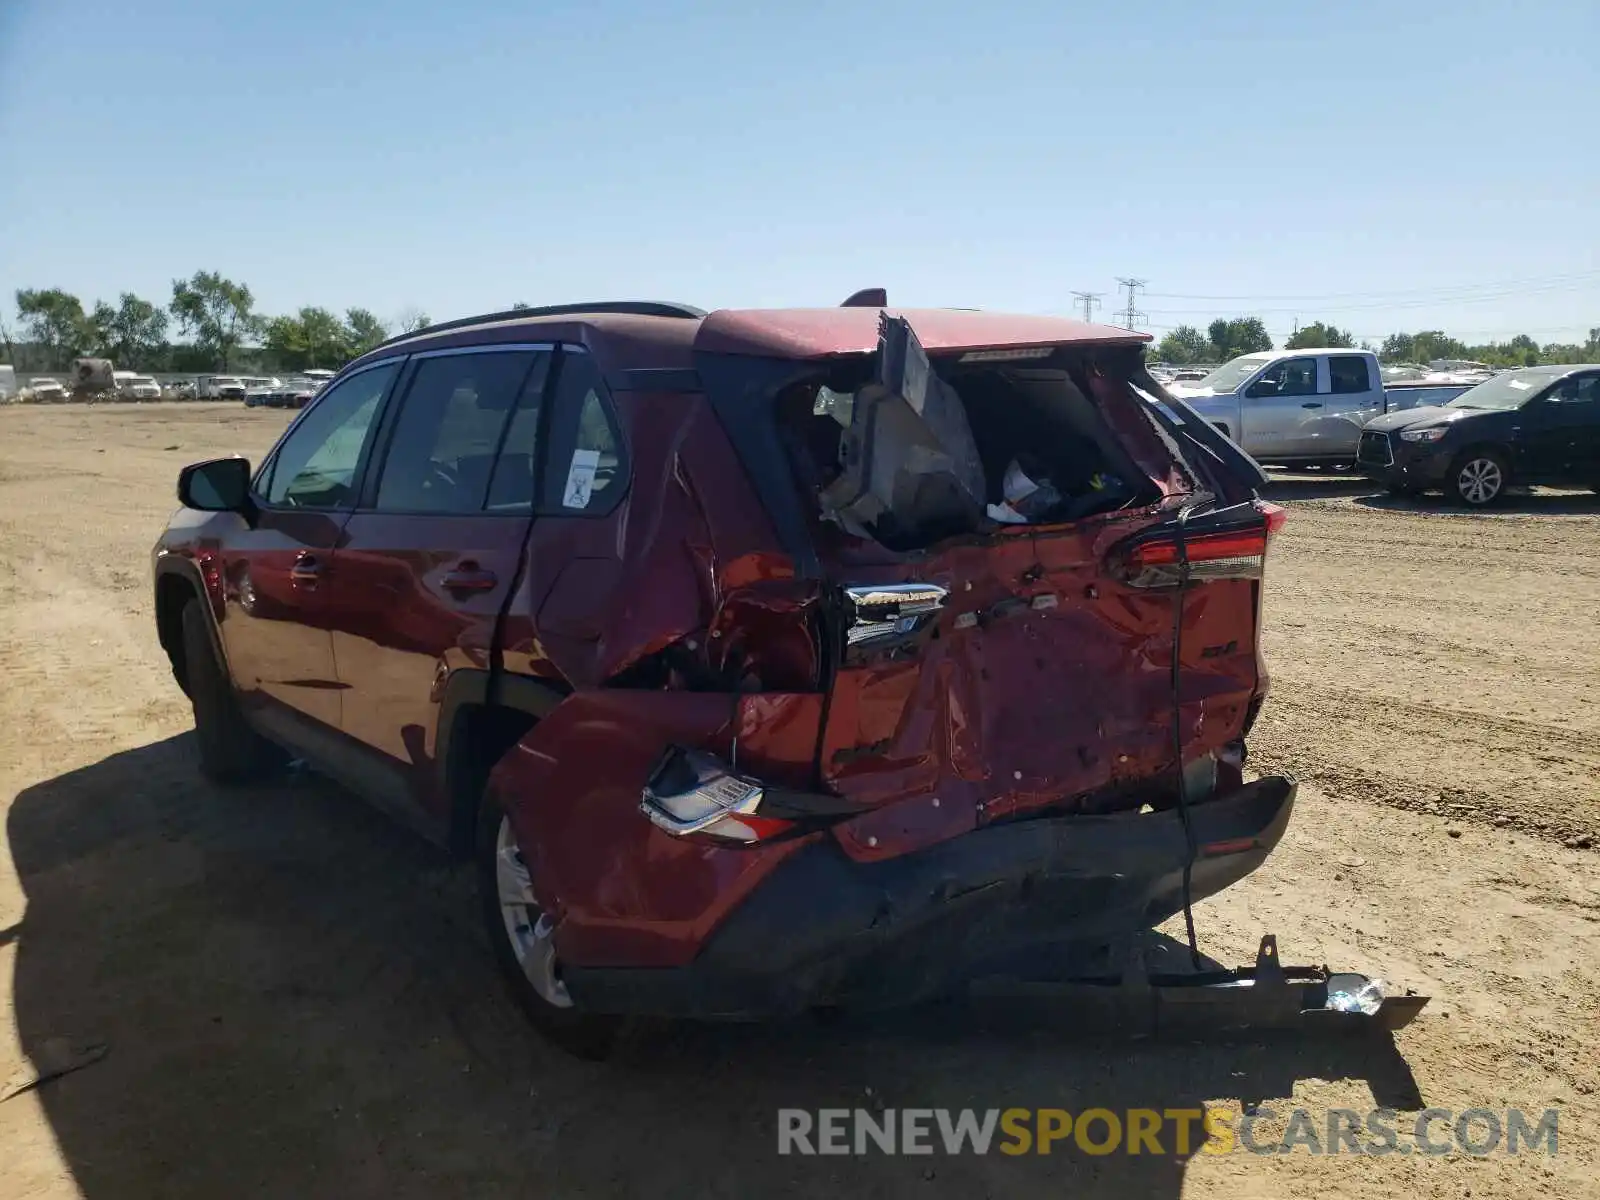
(693, 794)
(1237, 551)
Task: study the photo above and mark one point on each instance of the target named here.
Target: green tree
(411, 320)
(1317, 334)
(1432, 344)
(1238, 335)
(217, 313)
(1185, 344)
(55, 320)
(1398, 347)
(312, 337)
(132, 335)
(363, 331)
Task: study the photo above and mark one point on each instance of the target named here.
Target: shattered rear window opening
(993, 445)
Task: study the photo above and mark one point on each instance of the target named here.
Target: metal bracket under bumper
(1264, 997)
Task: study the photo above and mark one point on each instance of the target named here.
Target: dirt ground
(293, 1000)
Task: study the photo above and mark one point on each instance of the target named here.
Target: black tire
(586, 1035)
(230, 751)
(1487, 466)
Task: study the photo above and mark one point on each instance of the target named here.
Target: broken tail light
(693, 794)
(1228, 545)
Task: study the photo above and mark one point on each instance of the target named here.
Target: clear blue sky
(1382, 165)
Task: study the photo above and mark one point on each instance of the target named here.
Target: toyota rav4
(764, 660)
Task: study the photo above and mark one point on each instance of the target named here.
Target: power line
(1443, 291)
(1089, 301)
(1372, 305)
(1133, 315)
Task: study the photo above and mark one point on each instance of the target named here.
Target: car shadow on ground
(296, 1001)
(1534, 503)
(1328, 486)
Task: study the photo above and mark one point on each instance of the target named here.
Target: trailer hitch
(1266, 996)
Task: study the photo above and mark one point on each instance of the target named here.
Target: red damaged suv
(764, 659)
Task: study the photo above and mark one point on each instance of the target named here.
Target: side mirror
(1264, 387)
(218, 485)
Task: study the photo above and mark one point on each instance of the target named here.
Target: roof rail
(638, 308)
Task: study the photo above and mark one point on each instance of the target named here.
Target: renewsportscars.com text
(1165, 1131)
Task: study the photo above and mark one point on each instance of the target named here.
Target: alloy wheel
(528, 930)
(1480, 480)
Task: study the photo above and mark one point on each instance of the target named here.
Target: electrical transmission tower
(1088, 301)
(1131, 315)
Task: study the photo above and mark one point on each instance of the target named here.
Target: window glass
(444, 442)
(1291, 377)
(1347, 373)
(1582, 389)
(587, 465)
(315, 466)
(511, 488)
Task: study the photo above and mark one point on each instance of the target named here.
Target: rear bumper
(1042, 894)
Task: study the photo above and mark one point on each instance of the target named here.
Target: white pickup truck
(1300, 407)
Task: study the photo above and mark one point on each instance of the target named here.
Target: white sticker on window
(580, 478)
(1519, 384)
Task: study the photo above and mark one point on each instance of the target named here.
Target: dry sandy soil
(294, 1001)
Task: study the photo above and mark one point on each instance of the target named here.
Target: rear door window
(588, 461)
(448, 433)
(512, 486)
(1348, 374)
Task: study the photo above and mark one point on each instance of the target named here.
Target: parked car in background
(1537, 425)
(1307, 407)
(46, 390)
(8, 382)
(674, 622)
(300, 392)
(220, 387)
(138, 387)
(1291, 407)
(1422, 393)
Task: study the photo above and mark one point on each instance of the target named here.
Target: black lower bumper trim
(826, 930)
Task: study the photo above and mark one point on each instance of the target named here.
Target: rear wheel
(524, 944)
(230, 751)
(1478, 478)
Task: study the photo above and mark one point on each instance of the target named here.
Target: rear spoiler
(1198, 431)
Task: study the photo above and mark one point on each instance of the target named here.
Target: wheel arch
(481, 717)
(177, 584)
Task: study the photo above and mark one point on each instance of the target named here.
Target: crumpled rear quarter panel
(624, 892)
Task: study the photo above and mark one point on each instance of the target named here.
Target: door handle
(307, 569)
(469, 578)
(1312, 404)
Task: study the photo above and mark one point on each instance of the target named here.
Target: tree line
(216, 323)
(219, 329)
(1227, 338)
